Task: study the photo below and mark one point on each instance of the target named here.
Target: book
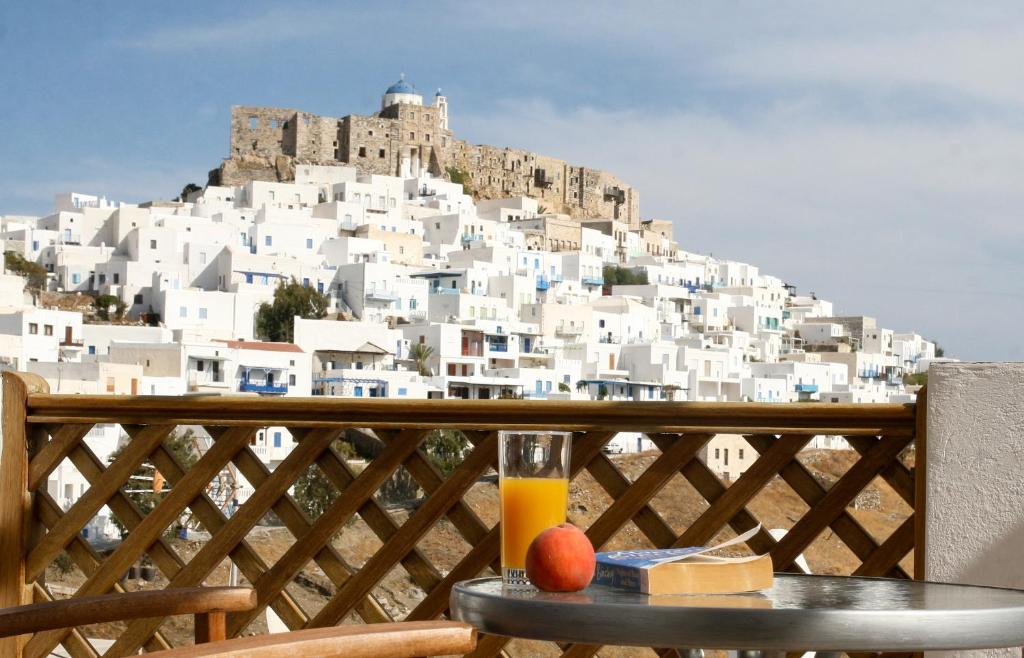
(684, 570)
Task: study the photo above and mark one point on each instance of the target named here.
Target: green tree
(103, 303)
(63, 564)
(602, 392)
(564, 388)
(445, 449)
(313, 492)
(916, 378)
(460, 177)
(276, 321)
(420, 353)
(33, 272)
(188, 189)
(623, 276)
(582, 386)
(939, 352)
(141, 483)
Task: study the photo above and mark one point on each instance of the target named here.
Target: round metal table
(798, 613)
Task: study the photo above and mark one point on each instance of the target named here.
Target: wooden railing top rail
(739, 417)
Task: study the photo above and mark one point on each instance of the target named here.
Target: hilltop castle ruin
(407, 138)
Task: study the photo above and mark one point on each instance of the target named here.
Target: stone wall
(404, 139)
(260, 131)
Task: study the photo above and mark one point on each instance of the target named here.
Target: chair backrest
(397, 640)
(203, 602)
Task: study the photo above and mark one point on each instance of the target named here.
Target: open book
(685, 570)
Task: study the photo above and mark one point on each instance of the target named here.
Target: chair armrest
(399, 640)
(129, 605)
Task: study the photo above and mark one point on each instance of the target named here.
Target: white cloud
(965, 64)
(260, 30)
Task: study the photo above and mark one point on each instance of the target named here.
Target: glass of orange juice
(533, 485)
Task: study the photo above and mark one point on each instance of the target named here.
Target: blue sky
(869, 152)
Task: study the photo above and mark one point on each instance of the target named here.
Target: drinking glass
(533, 485)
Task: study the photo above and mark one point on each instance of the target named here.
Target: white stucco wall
(975, 498)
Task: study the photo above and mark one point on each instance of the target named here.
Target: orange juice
(528, 507)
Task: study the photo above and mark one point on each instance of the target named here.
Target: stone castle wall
(403, 140)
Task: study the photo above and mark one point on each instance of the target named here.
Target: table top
(798, 613)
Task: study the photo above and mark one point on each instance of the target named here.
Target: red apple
(560, 559)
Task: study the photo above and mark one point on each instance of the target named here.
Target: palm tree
(582, 386)
(420, 353)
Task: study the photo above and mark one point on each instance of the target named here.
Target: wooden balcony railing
(632, 506)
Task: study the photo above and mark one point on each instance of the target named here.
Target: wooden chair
(407, 639)
(208, 604)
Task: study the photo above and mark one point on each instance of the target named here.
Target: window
(270, 194)
(152, 244)
(305, 282)
(182, 312)
(600, 323)
(401, 391)
(202, 260)
(103, 278)
(717, 455)
(380, 153)
(268, 240)
(33, 328)
(117, 278)
(309, 243)
(277, 439)
(359, 391)
(412, 135)
(428, 137)
(741, 453)
(362, 151)
(202, 313)
(291, 380)
(76, 278)
(92, 349)
(110, 384)
(47, 329)
(725, 453)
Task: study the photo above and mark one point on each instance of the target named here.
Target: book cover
(684, 570)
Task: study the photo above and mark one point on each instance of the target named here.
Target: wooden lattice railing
(42, 430)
